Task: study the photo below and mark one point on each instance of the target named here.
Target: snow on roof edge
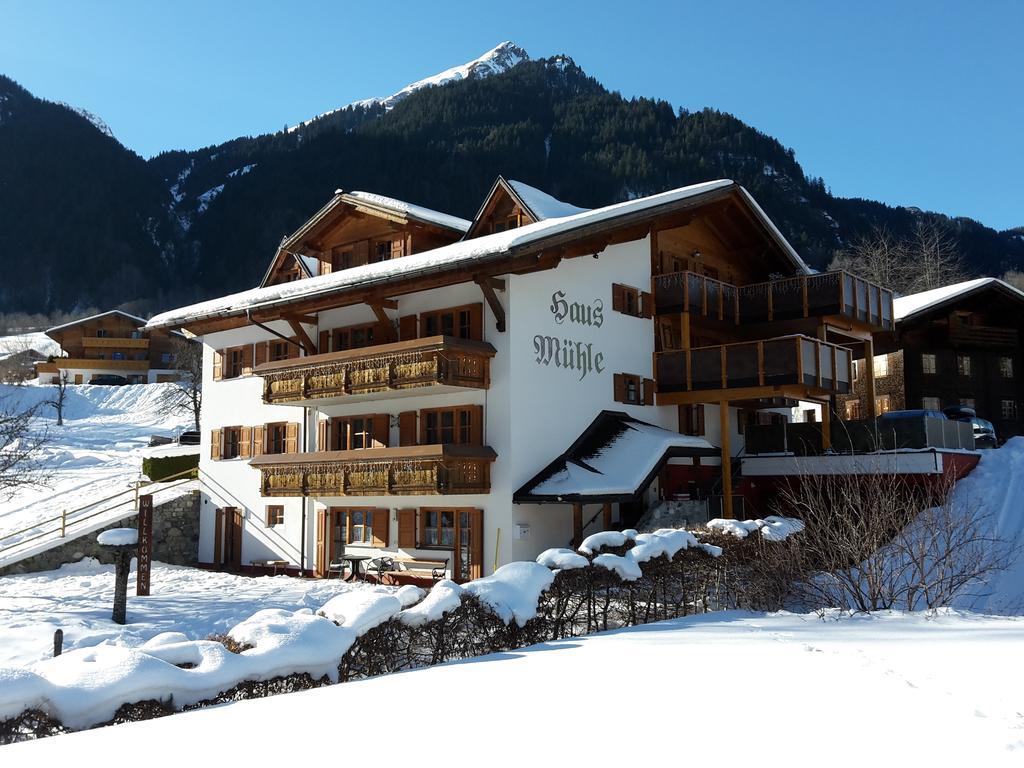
(142, 321)
(915, 303)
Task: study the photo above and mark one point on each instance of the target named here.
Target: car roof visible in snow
(915, 303)
(541, 204)
(458, 254)
(613, 459)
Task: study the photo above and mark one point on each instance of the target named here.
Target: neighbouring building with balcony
(114, 343)
(410, 384)
(956, 345)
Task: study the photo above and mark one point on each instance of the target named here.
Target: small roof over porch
(615, 459)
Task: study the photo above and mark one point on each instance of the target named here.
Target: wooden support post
(606, 516)
(826, 425)
(723, 420)
(684, 330)
(869, 378)
(487, 287)
(577, 525)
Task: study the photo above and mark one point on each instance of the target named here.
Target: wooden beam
(385, 303)
(869, 378)
(307, 343)
(495, 282)
(577, 525)
(723, 422)
(792, 391)
(826, 426)
(492, 302)
(606, 516)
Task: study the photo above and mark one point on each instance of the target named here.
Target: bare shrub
(230, 643)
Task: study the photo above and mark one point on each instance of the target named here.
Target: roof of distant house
(140, 321)
(917, 303)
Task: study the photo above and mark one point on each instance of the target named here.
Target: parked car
(109, 380)
(984, 430)
(189, 437)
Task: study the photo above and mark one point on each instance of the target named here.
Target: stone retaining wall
(175, 539)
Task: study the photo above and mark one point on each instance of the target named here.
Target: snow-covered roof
(459, 254)
(905, 306)
(614, 459)
(410, 210)
(138, 320)
(541, 204)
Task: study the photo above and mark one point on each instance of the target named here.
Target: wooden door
(227, 539)
(321, 542)
(469, 545)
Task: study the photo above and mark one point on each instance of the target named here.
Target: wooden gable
(501, 210)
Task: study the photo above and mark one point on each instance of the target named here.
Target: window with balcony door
(447, 426)
(352, 433)
(460, 322)
(355, 337)
(279, 350)
(928, 363)
(276, 436)
(438, 528)
(231, 443)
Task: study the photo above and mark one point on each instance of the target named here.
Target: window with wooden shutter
(617, 297)
(380, 532)
(274, 515)
(691, 419)
(218, 364)
(247, 360)
(648, 391)
(462, 424)
(258, 438)
(646, 305)
(627, 388)
(465, 322)
(215, 444)
(627, 300)
(407, 327)
(381, 430)
(407, 428)
(291, 442)
(407, 529)
(245, 443)
(323, 435)
(230, 442)
(261, 352)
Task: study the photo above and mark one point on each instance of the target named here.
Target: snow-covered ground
(78, 597)
(732, 688)
(95, 454)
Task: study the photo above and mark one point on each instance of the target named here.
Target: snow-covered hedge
(375, 630)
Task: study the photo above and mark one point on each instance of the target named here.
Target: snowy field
(732, 688)
(77, 598)
(97, 452)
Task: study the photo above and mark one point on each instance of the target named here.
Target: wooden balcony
(108, 342)
(443, 363)
(792, 298)
(101, 365)
(420, 470)
(788, 366)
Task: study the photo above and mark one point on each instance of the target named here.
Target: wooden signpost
(145, 553)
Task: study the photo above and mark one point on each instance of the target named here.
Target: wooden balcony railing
(790, 298)
(101, 365)
(433, 361)
(106, 342)
(788, 360)
(410, 471)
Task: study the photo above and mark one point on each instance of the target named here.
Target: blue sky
(913, 103)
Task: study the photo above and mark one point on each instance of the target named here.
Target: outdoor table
(356, 561)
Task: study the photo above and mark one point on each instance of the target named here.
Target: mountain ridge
(194, 224)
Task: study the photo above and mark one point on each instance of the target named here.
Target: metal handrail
(65, 522)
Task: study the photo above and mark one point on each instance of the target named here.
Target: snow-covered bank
(732, 688)
(95, 454)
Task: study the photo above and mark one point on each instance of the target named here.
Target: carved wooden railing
(409, 471)
(437, 360)
(789, 298)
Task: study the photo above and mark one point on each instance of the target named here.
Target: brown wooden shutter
(398, 248)
(258, 440)
(474, 567)
(266, 516)
(325, 265)
(247, 360)
(646, 305)
(618, 298)
(619, 385)
(381, 430)
(407, 529)
(323, 434)
(476, 424)
(262, 352)
(407, 428)
(218, 538)
(295, 348)
(245, 442)
(215, 444)
(321, 541)
(476, 322)
(422, 527)
(381, 531)
(291, 437)
(648, 392)
(325, 342)
(407, 327)
(218, 365)
(698, 412)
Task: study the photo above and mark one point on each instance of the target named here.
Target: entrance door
(227, 538)
(331, 537)
(469, 545)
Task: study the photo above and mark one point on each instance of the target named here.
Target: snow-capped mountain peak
(499, 59)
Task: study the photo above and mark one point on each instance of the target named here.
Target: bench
(272, 564)
(437, 567)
